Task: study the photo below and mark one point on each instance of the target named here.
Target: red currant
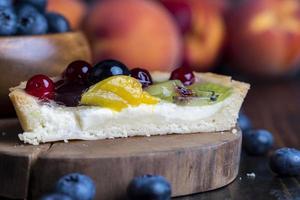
(184, 74)
(40, 86)
(77, 71)
(142, 75)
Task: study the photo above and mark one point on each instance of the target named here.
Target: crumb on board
(251, 175)
(234, 131)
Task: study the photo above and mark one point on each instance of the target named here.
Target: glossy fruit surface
(8, 21)
(77, 186)
(184, 74)
(30, 21)
(40, 86)
(77, 71)
(165, 90)
(142, 75)
(56, 196)
(57, 23)
(258, 142)
(106, 69)
(69, 93)
(286, 162)
(117, 92)
(149, 187)
(211, 91)
(38, 4)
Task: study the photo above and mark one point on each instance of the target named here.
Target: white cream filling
(90, 122)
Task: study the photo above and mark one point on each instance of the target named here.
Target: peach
(140, 33)
(73, 10)
(203, 34)
(264, 36)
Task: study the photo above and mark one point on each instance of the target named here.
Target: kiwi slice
(204, 94)
(165, 90)
(198, 94)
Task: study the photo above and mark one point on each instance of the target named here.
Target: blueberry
(286, 161)
(6, 3)
(40, 5)
(244, 122)
(8, 21)
(77, 186)
(149, 187)
(258, 142)
(105, 69)
(56, 196)
(57, 23)
(30, 21)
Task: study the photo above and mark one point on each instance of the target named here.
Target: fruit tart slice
(109, 101)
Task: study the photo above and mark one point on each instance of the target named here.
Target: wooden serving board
(192, 163)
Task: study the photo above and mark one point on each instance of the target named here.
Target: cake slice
(210, 104)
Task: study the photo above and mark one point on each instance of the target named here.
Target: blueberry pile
(29, 17)
(284, 161)
(76, 186)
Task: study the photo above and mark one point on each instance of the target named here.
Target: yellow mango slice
(117, 93)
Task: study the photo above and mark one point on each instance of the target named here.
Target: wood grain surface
(192, 163)
(16, 160)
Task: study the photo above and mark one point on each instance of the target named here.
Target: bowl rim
(47, 35)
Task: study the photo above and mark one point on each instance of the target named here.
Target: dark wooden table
(274, 106)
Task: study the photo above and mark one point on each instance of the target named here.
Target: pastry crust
(29, 112)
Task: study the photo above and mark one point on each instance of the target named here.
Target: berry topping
(77, 71)
(106, 69)
(184, 74)
(40, 86)
(8, 21)
(77, 186)
(30, 21)
(149, 187)
(142, 75)
(69, 93)
(57, 23)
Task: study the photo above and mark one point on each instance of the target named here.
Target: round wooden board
(192, 163)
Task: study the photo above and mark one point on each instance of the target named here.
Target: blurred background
(251, 38)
